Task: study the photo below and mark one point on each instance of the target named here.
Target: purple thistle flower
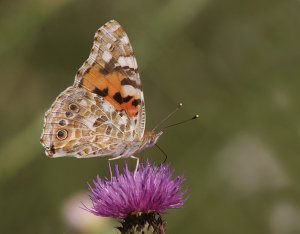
(150, 189)
(138, 198)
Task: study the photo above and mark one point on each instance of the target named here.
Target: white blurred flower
(285, 219)
(82, 221)
(248, 166)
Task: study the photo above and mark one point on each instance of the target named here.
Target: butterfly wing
(105, 106)
(81, 124)
(111, 72)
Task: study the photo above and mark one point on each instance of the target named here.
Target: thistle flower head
(150, 190)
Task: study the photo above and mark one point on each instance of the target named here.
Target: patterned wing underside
(111, 72)
(82, 124)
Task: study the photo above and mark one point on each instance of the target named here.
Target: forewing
(111, 72)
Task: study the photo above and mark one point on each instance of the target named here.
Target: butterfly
(103, 112)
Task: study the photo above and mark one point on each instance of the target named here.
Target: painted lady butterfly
(103, 113)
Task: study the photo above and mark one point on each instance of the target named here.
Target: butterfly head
(150, 138)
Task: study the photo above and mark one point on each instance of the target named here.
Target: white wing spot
(122, 61)
(107, 107)
(135, 66)
(126, 61)
(113, 28)
(122, 120)
(129, 90)
(125, 40)
(106, 56)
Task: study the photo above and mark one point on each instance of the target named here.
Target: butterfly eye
(74, 108)
(62, 134)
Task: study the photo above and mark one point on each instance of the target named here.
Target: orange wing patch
(109, 86)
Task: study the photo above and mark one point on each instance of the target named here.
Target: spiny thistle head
(138, 198)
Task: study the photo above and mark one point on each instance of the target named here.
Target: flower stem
(143, 223)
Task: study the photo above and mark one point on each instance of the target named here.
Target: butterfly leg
(137, 163)
(110, 171)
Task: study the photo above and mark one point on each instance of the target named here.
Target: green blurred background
(235, 63)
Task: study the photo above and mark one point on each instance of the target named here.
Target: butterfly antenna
(164, 153)
(184, 121)
(168, 116)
